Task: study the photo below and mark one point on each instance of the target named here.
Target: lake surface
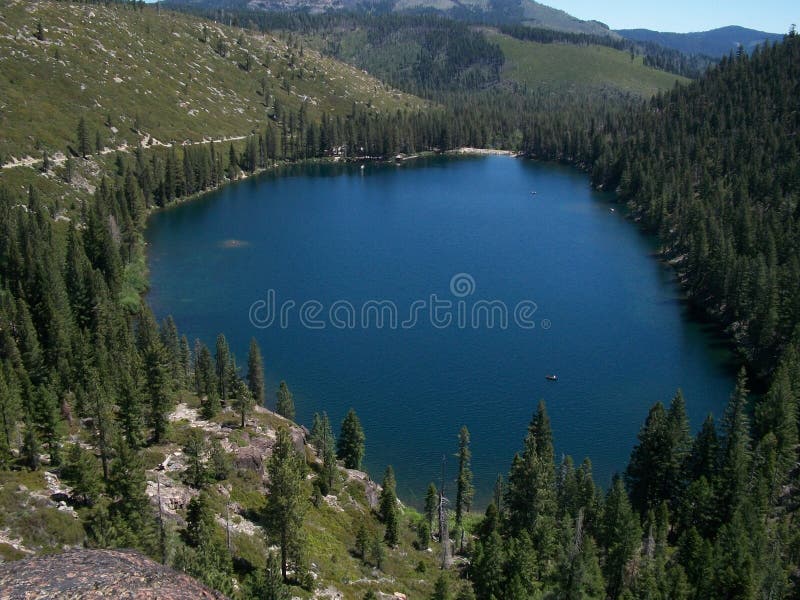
(607, 317)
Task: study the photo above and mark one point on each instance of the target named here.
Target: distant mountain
(525, 12)
(715, 43)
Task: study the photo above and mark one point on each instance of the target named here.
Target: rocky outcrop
(90, 574)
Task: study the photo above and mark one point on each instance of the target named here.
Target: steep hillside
(237, 501)
(571, 68)
(137, 75)
(716, 42)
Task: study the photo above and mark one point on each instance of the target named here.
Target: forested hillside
(137, 75)
(159, 441)
(713, 168)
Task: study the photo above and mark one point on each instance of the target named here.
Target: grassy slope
(31, 522)
(567, 67)
(97, 61)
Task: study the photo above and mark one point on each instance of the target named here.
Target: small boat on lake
(551, 377)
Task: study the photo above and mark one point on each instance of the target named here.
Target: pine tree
(680, 445)
(157, 386)
(377, 553)
(287, 499)
(388, 508)
(243, 400)
(530, 496)
(82, 138)
(736, 450)
(521, 568)
(255, 372)
(220, 463)
(776, 414)
(488, 559)
(362, 542)
(212, 562)
(703, 460)
(464, 489)
(423, 535)
(222, 359)
(466, 592)
(130, 511)
(171, 342)
(206, 381)
(579, 574)
(284, 405)
(350, 446)
(81, 472)
(329, 473)
(441, 589)
(647, 472)
(431, 504)
(620, 534)
(195, 451)
(269, 583)
(100, 407)
(185, 361)
(10, 412)
(31, 449)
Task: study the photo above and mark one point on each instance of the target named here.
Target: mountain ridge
(526, 12)
(714, 42)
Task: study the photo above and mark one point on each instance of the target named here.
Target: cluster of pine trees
(709, 517)
(86, 387)
(715, 169)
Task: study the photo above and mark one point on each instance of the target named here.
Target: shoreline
(400, 158)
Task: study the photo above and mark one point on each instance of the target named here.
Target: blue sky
(774, 16)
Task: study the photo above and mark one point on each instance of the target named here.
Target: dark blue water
(608, 318)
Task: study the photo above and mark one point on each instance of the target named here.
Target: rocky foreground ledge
(89, 574)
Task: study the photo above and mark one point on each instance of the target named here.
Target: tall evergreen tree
(488, 558)
(620, 533)
(255, 372)
(388, 508)
(211, 562)
(130, 510)
(350, 445)
(284, 404)
(222, 359)
(464, 489)
(530, 496)
(81, 472)
(287, 499)
(647, 472)
(578, 574)
(82, 138)
(736, 450)
(243, 400)
(158, 389)
(431, 504)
